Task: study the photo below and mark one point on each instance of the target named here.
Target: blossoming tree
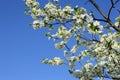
(96, 47)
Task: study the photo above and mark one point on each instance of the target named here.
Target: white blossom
(59, 45)
(96, 23)
(58, 61)
(67, 9)
(88, 66)
(36, 24)
(77, 73)
(72, 58)
(74, 49)
(117, 23)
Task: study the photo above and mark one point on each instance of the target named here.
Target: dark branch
(112, 2)
(98, 8)
(116, 1)
(67, 47)
(98, 19)
(106, 17)
(112, 6)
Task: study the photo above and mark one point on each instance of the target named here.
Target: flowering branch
(99, 46)
(107, 18)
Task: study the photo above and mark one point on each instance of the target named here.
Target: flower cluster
(76, 25)
(54, 61)
(95, 27)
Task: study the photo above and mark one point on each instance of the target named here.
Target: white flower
(115, 45)
(68, 9)
(56, 0)
(78, 21)
(74, 49)
(103, 37)
(74, 17)
(77, 73)
(100, 27)
(58, 61)
(117, 18)
(28, 2)
(82, 10)
(84, 53)
(54, 36)
(35, 4)
(117, 24)
(89, 18)
(98, 49)
(45, 61)
(65, 52)
(88, 25)
(59, 45)
(72, 58)
(76, 6)
(88, 66)
(96, 23)
(101, 63)
(71, 64)
(55, 61)
(82, 16)
(36, 24)
(36, 21)
(49, 5)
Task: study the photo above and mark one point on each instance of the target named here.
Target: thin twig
(67, 47)
(99, 20)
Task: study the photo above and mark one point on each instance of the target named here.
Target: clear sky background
(22, 47)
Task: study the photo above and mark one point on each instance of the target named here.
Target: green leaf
(93, 28)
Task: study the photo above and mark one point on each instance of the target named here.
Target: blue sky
(22, 47)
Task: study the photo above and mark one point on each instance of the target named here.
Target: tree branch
(106, 17)
(112, 6)
(98, 19)
(67, 47)
(98, 8)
